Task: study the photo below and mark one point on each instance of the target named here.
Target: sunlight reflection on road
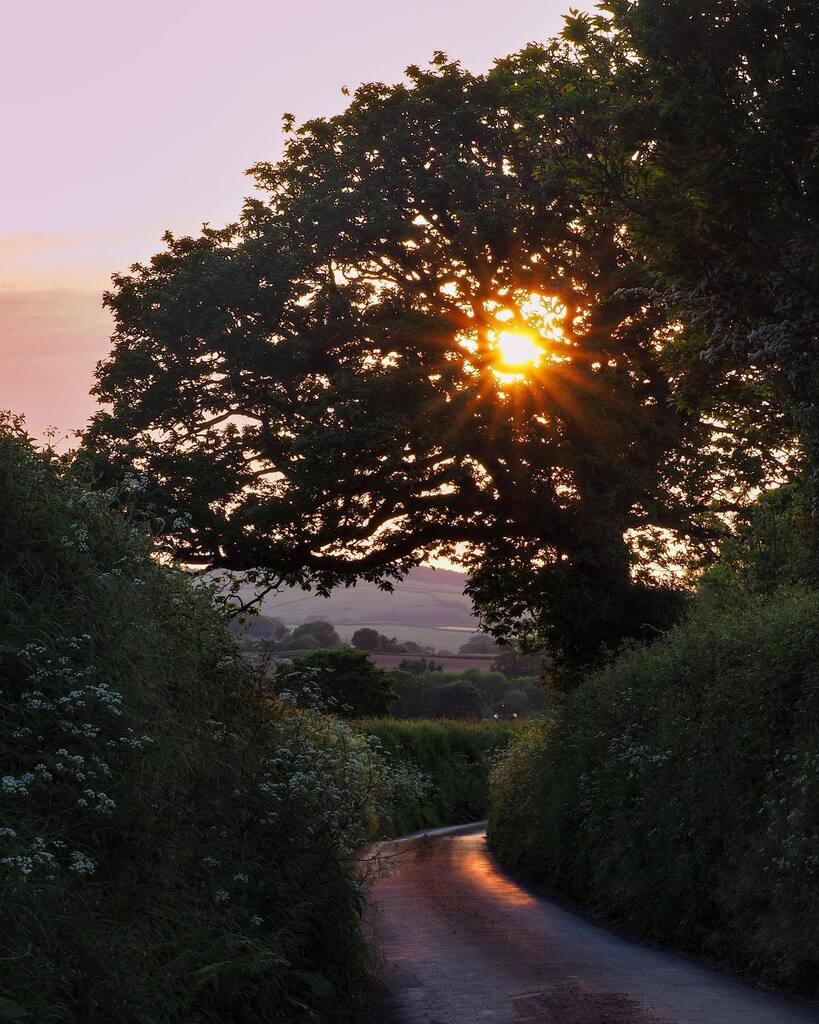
(479, 869)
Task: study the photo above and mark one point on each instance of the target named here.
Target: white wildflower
(81, 863)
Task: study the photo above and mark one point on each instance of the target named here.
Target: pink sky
(121, 120)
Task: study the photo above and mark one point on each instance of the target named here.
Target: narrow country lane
(460, 942)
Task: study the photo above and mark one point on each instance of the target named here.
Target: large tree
(328, 390)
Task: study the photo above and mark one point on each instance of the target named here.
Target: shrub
(678, 789)
(174, 844)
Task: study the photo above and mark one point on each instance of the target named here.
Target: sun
(518, 350)
(523, 335)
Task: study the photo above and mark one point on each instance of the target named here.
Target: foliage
(769, 549)
(367, 639)
(174, 843)
(319, 387)
(513, 663)
(677, 789)
(478, 644)
(453, 756)
(259, 627)
(469, 694)
(348, 679)
(418, 666)
(262, 634)
(318, 632)
(435, 695)
(728, 208)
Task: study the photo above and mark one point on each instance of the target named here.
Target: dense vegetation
(678, 788)
(432, 693)
(174, 845)
(454, 758)
(637, 200)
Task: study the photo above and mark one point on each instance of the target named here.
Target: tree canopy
(729, 209)
(327, 390)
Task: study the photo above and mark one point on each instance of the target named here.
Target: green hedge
(455, 756)
(175, 846)
(678, 789)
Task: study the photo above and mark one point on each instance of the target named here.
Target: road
(461, 942)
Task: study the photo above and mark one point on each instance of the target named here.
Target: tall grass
(455, 757)
(678, 789)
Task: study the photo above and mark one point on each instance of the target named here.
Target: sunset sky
(122, 120)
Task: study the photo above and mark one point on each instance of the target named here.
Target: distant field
(437, 637)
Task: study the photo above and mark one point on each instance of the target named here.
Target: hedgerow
(453, 756)
(678, 789)
(175, 844)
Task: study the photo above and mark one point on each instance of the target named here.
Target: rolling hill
(427, 597)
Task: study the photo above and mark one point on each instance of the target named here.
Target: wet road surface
(462, 943)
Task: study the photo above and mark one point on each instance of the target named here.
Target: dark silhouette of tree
(318, 391)
(366, 639)
(515, 665)
(259, 627)
(324, 632)
(478, 645)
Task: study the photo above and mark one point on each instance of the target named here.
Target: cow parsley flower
(81, 863)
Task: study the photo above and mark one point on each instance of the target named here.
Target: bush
(174, 844)
(455, 757)
(678, 789)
